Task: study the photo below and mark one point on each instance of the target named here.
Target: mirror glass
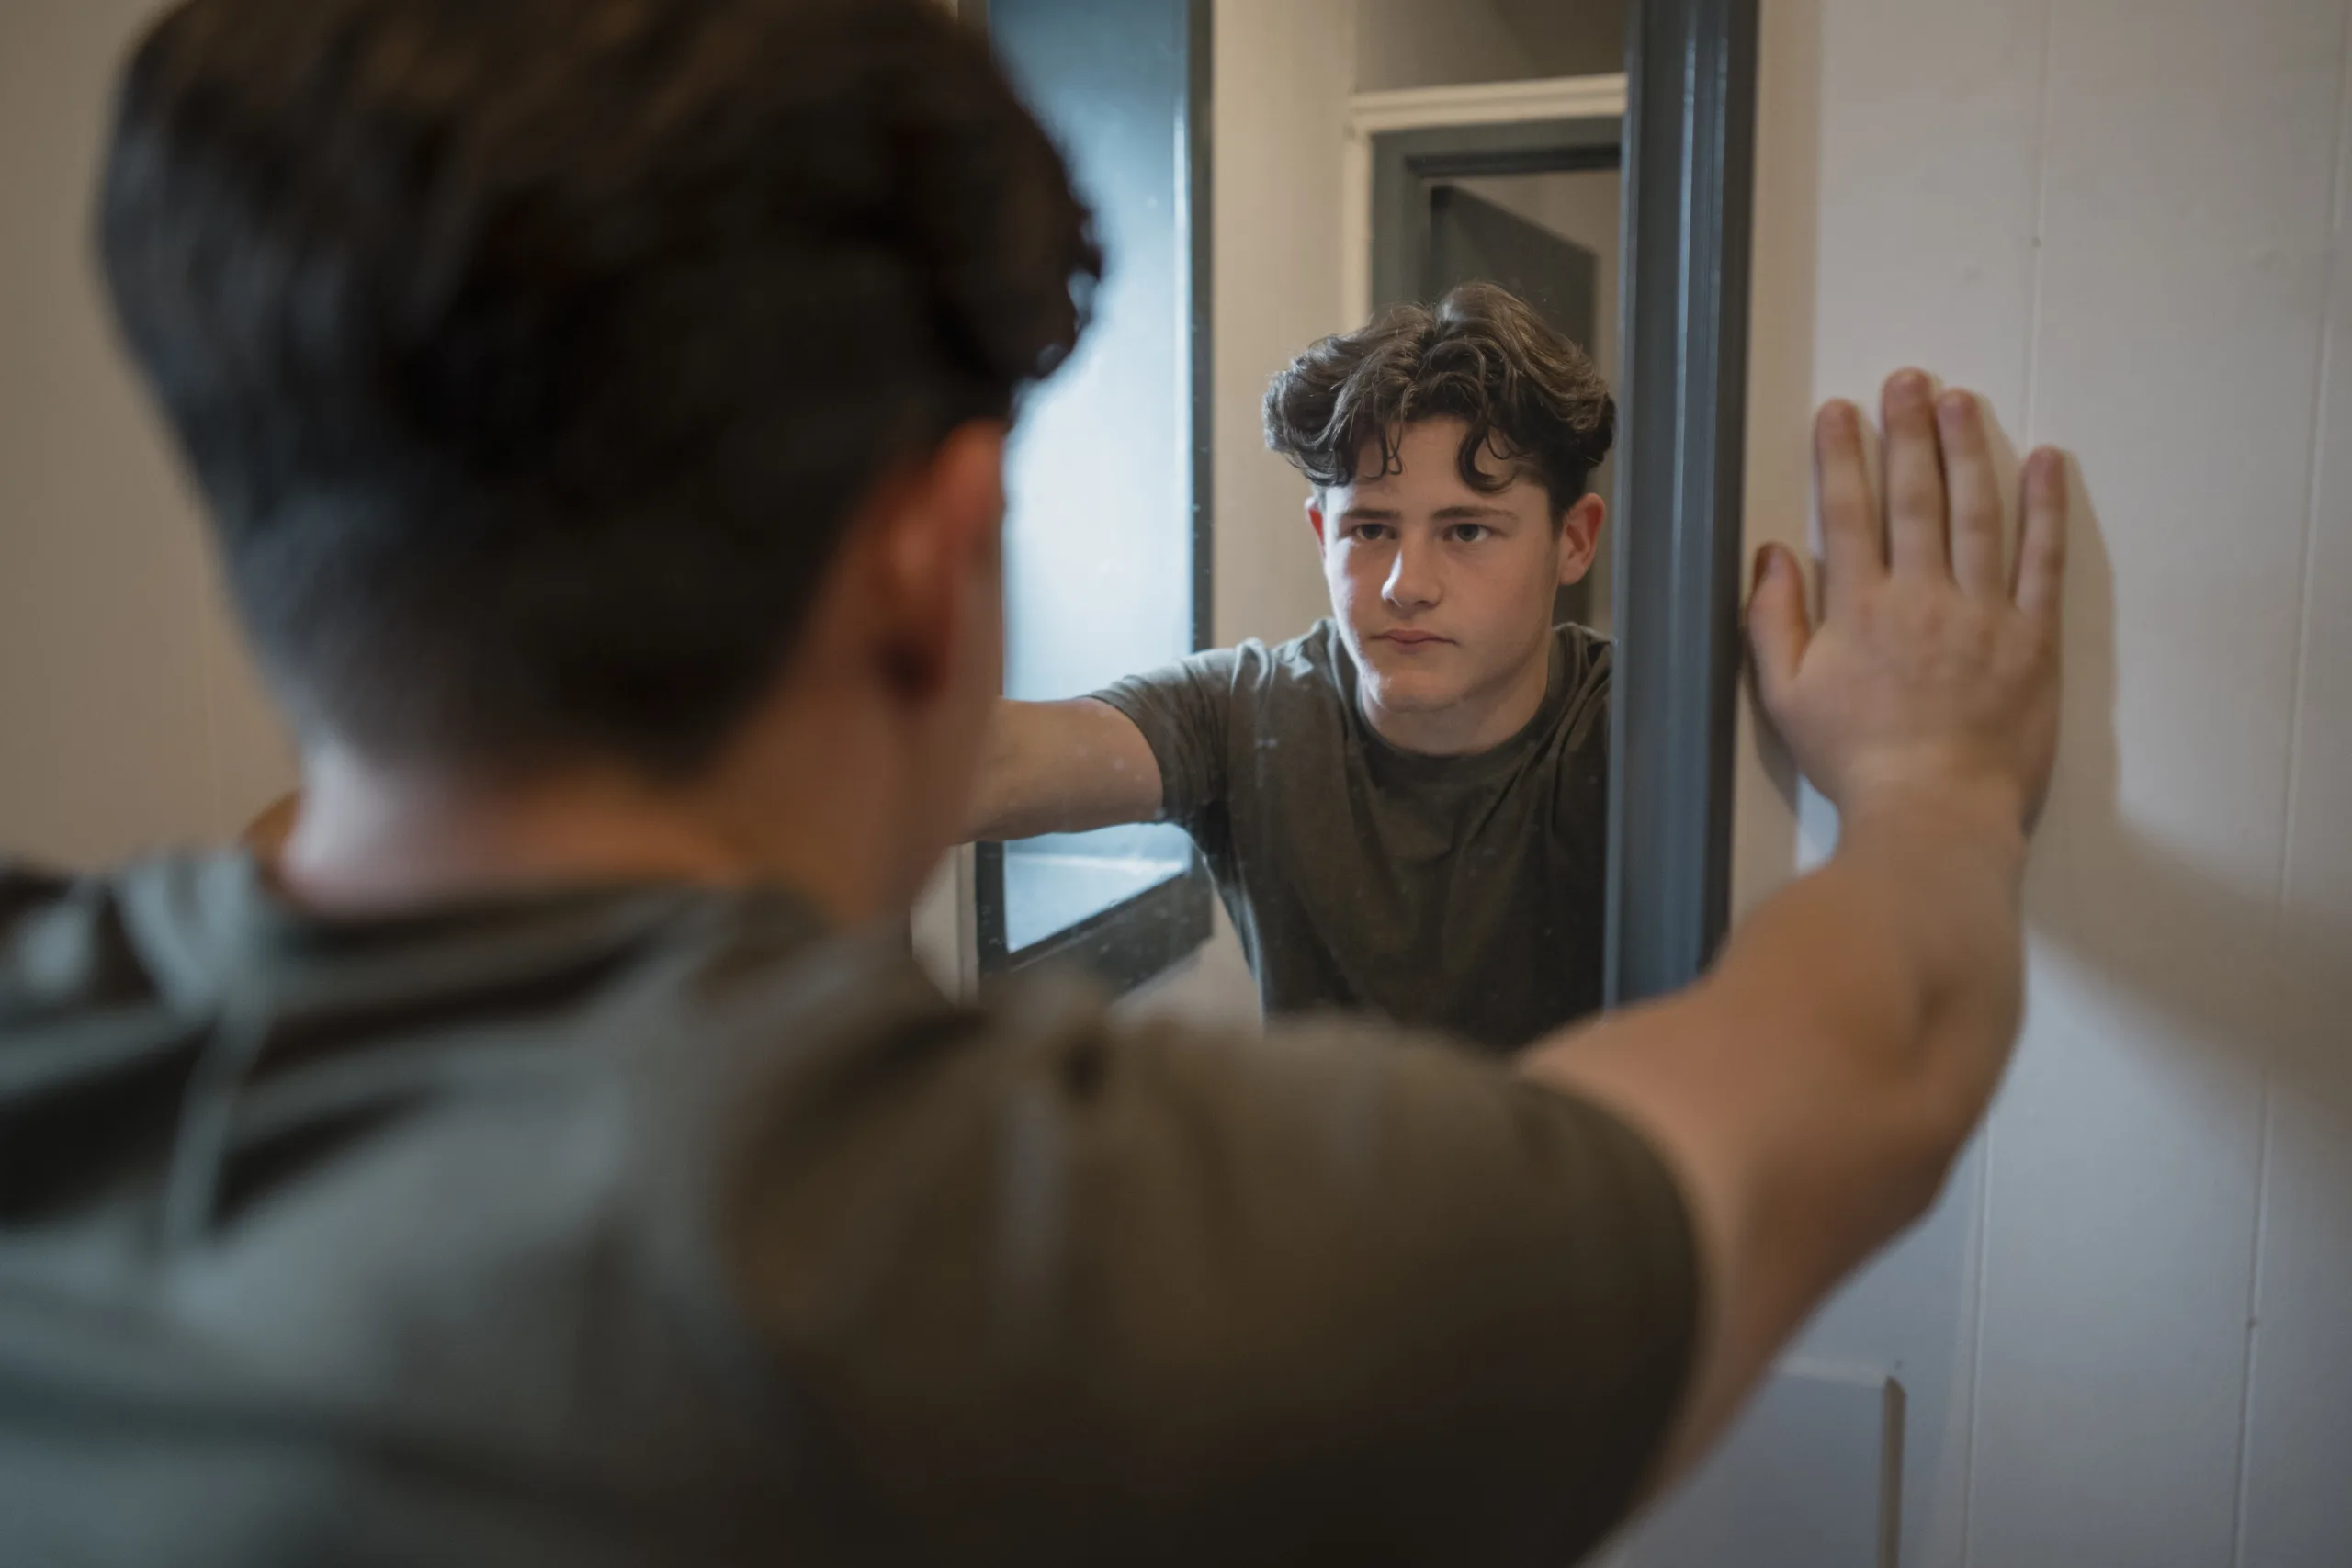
(1099, 527)
(1386, 753)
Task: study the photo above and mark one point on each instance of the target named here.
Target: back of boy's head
(1524, 392)
(534, 355)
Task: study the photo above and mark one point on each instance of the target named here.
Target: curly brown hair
(1481, 354)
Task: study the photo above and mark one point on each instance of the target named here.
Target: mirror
(1357, 686)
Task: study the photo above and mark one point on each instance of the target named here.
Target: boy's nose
(1412, 581)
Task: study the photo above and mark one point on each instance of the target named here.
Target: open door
(1471, 240)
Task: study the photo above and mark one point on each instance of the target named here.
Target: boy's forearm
(1065, 767)
(1902, 957)
(1896, 962)
(997, 790)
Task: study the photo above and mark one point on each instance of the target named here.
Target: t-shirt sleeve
(1185, 710)
(1106, 1293)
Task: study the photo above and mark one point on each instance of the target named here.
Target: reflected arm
(1063, 767)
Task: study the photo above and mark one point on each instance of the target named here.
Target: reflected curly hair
(1481, 354)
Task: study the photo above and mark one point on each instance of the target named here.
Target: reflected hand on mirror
(1931, 679)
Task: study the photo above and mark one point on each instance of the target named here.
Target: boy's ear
(1580, 537)
(936, 533)
(1315, 514)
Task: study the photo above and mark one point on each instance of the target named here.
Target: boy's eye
(1370, 533)
(1469, 533)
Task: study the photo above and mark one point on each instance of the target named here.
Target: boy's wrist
(1989, 812)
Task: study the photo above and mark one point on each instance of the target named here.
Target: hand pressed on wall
(1933, 671)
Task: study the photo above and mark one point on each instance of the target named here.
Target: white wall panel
(1282, 88)
(2115, 219)
(2183, 230)
(1428, 44)
(1805, 1480)
(1878, 245)
(2297, 1511)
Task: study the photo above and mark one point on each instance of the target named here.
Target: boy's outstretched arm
(1813, 1088)
(1062, 767)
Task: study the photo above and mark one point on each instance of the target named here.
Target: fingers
(1978, 563)
(2042, 544)
(1914, 476)
(1778, 627)
(1851, 550)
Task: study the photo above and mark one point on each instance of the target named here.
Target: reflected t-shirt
(1459, 893)
(659, 1224)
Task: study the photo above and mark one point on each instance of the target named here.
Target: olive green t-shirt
(1458, 893)
(656, 1225)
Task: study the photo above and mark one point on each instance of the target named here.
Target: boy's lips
(1407, 638)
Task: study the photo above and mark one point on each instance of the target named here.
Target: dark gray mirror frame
(1682, 396)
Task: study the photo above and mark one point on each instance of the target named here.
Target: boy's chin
(1411, 691)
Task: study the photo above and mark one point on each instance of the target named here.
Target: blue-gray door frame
(1690, 144)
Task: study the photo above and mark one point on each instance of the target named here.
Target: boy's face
(1443, 592)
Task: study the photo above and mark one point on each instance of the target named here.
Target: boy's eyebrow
(1390, 514)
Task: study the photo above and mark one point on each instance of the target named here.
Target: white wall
(1280, 112)
(129, 717)
(2126, 1334)
(1428, 44)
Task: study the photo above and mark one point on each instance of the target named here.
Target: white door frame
(1424, 108)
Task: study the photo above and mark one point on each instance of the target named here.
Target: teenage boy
(554, 1156)
(1405, 810)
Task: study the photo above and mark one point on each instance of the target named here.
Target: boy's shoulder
(1587, 658)
(1286, 681)
(74, 944)
(1316, 657)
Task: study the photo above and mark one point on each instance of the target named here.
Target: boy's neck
(372, 840)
